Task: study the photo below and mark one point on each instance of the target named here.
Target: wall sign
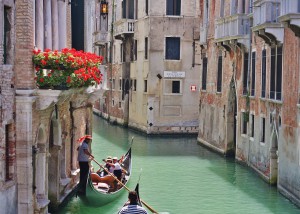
(174, 74)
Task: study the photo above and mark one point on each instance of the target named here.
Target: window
(252, 125)
(244, 122)
(262, 129)
(245, 74)
(172, 48)
(234, 7)
(135, 50)
(113, 84)
(146, 7)
(252, 92)
(145, 86)
(172, 86)
(9, 156)
(263, 73)
(113, 102)
(120, 104)
(204, 72)
(6, 36)
(122, 52)
(276, 73)
(219, 76)
(175, 87)
(136, 9)
(128, 9)
(173, 7)
(134, 85)
(120, 84)
(222, 8)
(146, 48)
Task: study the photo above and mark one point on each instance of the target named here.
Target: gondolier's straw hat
(84, 137)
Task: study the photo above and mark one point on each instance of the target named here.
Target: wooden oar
(143, 202)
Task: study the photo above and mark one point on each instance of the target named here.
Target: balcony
(290, 15)
(233, 28)
(101, 37)
(265, 21)
(123, 28)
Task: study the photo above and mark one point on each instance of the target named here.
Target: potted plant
(67, 68)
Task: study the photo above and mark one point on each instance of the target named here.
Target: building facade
(249, 99)
(8, 178)
(154, 76)
(39, 128)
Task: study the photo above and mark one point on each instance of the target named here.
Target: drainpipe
(72, 135)
(111, 56)
(248, 81)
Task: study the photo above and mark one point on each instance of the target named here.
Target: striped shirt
(133, 209)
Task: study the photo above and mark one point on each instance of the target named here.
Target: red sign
(193, 87)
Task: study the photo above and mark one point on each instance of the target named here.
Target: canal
(178, 176)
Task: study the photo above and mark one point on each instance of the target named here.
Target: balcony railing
(266, 12)
(266, 21)
(290, 6)
(101, 37)
(232, 27)
(290, 15)
(123, 27)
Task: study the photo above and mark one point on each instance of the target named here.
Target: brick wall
(24, 45)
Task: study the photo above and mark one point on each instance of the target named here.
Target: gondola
(100, 193)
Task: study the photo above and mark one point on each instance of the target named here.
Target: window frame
(263, 73)
(253, 70)
(168, 39)
(244, 124)
(171, 90)
(175, 10)
(204, 73)
(219, 73)
(245, 73)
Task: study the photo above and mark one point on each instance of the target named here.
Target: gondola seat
(103, 187)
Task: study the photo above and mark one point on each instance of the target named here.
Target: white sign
(174, 74)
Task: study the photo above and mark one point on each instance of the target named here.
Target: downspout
(72, 135)
(111, 56)
(248, 83)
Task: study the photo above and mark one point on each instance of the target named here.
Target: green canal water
(178, 176)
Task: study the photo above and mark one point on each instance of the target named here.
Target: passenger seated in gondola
(116, 167)
(108, 179)
(101, 172)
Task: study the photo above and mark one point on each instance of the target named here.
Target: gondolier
(83, 159)
(134, 207)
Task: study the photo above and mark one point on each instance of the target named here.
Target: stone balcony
(233, 28)
(290, 15)
(265, 21)
(101, 37)
(48, 97)
(123, 28)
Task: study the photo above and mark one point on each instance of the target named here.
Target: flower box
(66, 69)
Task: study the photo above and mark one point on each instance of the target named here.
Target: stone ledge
(49, 97)
(65, 181)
